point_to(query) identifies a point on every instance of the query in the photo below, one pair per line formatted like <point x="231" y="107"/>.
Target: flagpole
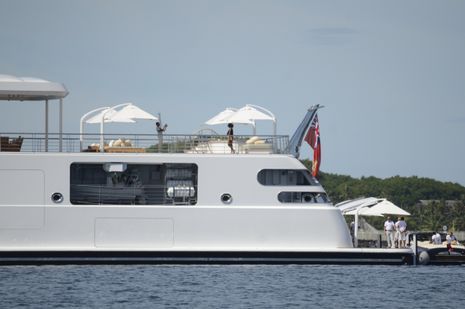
<point x="297" y="138"/>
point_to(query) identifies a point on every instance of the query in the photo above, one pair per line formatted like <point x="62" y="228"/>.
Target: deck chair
<point x="13" y="145"/>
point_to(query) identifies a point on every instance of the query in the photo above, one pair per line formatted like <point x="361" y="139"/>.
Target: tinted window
<point x="285" y="178"/>
<point x="302" y="197"/>
<point x="133" y="184"/>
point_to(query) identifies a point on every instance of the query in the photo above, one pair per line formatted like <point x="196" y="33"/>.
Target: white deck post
<point x="46" y="125"/>
<point x="102" y="146"/>
<point x="275" y="142"/>
<point x="61" y="124"/>
<point x="81" y="124"/>
<point x="102" y="121"/>
<point x="356" y="229"/>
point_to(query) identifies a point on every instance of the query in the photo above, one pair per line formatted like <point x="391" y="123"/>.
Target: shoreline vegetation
<point x="432" y="203"/>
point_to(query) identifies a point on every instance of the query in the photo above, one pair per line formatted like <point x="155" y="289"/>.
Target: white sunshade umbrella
<point x="223" y="117"/>
<point x="378" y="207"/>
<point x="127" y="113"/>
<point x="250" y="113"/>
<point x="246" y="115"/>
<point x="385" y="208"/>
<point x="109" y="114"/>
<point x="369" y="207"/>
<point x="253" y="113"/>
<point x="130" y="112"/>
<point x="347" y="207"/>
<point x="363" y="212"/>
<point x="104" y="112"/>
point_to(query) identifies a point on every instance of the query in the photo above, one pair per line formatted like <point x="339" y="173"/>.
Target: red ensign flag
<point x="313" y="139"/>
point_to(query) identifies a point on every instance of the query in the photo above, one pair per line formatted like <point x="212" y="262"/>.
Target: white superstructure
<point x="177" y="199"/>
<point x="230" y="209"/>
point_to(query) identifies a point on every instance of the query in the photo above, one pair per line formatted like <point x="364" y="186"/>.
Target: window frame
<point x="137" y="185"/>
<point x="303" y="173"/>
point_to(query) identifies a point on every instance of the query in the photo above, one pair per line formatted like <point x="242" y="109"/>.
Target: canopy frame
<point x="14" y="88"/>
<point x="233" y="111"/>
<point x="83" y="119"/>
<point x="105" y="111"/>
<point x="358" y="205"/>
<point x="274" y="120"/>
<point x="102" y="121"/>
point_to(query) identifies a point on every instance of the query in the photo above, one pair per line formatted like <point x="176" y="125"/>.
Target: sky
<point x="391" y="74"/>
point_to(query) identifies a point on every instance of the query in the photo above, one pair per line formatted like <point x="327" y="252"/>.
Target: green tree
<point x="406" y="192"/>
<point x="457" y="216"/>
<point x="431" y="216"/>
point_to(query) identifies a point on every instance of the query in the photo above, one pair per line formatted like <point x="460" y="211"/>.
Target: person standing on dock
<point x="389" y="231"/>
<point x="401" y="231"/>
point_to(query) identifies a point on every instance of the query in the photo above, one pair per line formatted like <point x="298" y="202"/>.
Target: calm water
<point x="262" y="286"/>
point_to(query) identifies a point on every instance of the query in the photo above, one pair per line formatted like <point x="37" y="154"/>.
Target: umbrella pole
<point x="102" y="146"/>
<point x="274" y="136"/>
<point x="81" y="128"/>
<point x="81" y="124"/>
<point x="356" y="230"/>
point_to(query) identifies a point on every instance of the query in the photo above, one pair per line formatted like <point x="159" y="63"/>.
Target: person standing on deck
<point x="230" y="135"/>
<point x="389" y="231"/>
<point x="160" y="130"/>
<point x="451" y="240"/>
<point x="436" y="239"/>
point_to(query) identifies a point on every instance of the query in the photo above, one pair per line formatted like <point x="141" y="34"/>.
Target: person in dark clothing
<point x="230" y="135"/>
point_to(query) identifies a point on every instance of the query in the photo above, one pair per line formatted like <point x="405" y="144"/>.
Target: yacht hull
<point x="343" y="256"/>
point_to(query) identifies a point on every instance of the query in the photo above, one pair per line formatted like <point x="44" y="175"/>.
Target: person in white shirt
<point x="436" y="239"/>
<point x="389" y="231"/>
<point x="401" y="228"/>
<point x="451" y="240"/>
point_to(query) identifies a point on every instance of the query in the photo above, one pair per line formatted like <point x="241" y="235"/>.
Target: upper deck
<point x="143" y="143"/>
<point x="32" y="89"/>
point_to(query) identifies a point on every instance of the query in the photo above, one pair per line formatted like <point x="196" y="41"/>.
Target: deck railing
<point x="144" y="143"/>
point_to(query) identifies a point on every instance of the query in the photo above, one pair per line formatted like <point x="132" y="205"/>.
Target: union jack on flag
<point x="313" y="139"/>
<point x="313" y="133"/>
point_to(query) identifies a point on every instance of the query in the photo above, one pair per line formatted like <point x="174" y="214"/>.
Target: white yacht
<point x="64" y="199"/>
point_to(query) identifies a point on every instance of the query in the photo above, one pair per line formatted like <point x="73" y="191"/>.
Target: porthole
<point x="226" y="198"/>
<point x="57" y="197"/>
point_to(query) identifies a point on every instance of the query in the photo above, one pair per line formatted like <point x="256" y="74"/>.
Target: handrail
<point x="149" y="143"/>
